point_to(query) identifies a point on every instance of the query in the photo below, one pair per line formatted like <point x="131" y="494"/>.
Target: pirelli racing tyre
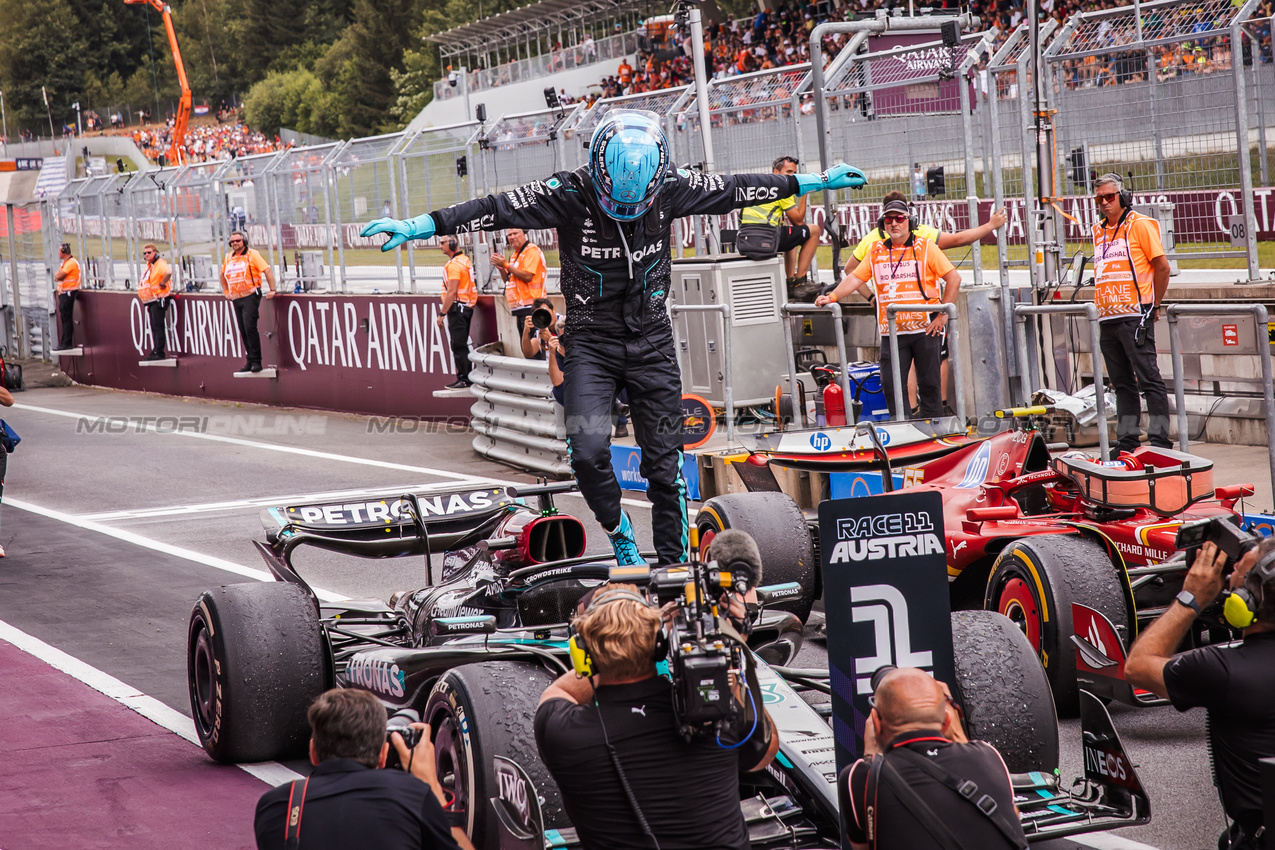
<point x="1003" y="691"/>
<point x="1034" y="582"/>
<point x="255" y="660"/>
<point x="478" y="711"/>
<point x="783" y="538"/>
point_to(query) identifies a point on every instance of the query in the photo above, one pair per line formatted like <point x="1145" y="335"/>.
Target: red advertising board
<point x="382" y="355"/>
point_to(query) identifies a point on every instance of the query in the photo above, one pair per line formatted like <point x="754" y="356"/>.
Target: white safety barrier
<point x="515" y="417"/>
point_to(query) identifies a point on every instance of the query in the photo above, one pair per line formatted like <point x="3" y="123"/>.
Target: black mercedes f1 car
<point x="474" y="647"/>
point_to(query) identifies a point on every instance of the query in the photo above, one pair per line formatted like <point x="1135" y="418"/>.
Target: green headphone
<point x="1242" y="606"/>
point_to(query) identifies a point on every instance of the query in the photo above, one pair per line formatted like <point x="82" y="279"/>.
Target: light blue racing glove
<point x="838" y="177"/>
<point x="421" y="227"/>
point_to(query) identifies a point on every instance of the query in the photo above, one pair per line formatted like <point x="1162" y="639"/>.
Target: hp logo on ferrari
<point x="820" y="441"/>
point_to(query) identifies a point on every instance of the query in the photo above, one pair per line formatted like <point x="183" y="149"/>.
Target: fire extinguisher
<point x="834" y="405"/>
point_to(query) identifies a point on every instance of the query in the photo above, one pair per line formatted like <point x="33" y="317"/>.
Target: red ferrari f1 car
<point x="1027" y="534"/>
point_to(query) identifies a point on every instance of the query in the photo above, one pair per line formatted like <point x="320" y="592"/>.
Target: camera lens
<point x="542" y="318"/>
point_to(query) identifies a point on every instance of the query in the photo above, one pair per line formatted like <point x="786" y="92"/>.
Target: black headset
<point x="1126" y="195"/>
<point x="581" y="660"/>
<point x="1243" y="605"/>
<point x="913" y="223"/>
<point x="451" y="243"/>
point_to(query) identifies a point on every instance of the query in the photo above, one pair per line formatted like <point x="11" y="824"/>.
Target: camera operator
<point x="611" y="741"/>
<point x="902" y="793"/>
<point x="534" y="338"/>
<point x="1231" y="681"/>
<point x="347" y="801"/>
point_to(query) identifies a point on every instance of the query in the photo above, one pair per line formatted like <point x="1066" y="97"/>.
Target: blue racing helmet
<point x="628" y="158"/>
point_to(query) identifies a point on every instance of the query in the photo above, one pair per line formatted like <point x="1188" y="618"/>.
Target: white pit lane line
<point x="126" y="695"/>
<point x="157" y="546"/>
<point x="313" y="453"/>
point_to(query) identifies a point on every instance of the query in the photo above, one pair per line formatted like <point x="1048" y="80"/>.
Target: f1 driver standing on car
<point x="614" y="218"/>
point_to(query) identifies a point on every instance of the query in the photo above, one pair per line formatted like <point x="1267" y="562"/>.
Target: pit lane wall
<point x="382" y="355"/>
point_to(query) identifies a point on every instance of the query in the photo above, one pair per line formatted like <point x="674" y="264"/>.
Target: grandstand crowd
<point x="207" y="142"/>
<point x="780" y="37"/>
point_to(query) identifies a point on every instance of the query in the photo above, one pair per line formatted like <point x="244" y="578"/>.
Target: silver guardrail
<point x="728" y="393"/>
<point x="1260" y="319"/>
<point x="514" y="414"/>
<point x="953" y="354"/>
<point x="1089" y="311"/>
<point x="795" y="309"/>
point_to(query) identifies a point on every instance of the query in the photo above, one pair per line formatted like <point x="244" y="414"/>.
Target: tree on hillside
<point x="41" y="47"/>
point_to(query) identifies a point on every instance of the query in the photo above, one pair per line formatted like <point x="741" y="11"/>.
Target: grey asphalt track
<point x="122" y="606"/>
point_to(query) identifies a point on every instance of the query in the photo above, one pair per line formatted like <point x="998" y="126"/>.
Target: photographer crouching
<point x="348" y="801"/>
<point x="611" y="738"/>
<point x="1231" y="681"/>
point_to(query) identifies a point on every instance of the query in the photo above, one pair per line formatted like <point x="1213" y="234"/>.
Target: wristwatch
<point x="1187" y="598"/>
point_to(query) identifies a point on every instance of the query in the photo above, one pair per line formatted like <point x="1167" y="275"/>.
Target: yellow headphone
<point x="1241" y="606"/>
<point x="581" y="661"/>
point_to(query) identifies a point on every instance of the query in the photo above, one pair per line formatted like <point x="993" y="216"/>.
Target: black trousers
<point x="156" y="310"/>
<point x="247" y="309"/>
<point x="923" y="350"/>
<point x="598" y="367"/>
<point x="458" y="319"/>
<point x="66" y="315"/>
<point x="1132" y="369"/>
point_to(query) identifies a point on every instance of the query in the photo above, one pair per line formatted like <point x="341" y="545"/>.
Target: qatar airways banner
<point x="1199" y="215"/>
<point x="373" y="354"/>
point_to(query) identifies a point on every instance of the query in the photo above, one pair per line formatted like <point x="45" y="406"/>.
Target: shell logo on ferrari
<point x="382" y="677"/>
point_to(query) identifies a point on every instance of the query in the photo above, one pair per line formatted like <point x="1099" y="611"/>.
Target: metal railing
<point x="953" y="353"/>
<point x="791" y="309"/>
<point x="1258" y="312"/>
<point x="1089" y="311"/>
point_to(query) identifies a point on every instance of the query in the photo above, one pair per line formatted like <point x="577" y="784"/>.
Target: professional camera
<point x="1234" y="542"/>
<point x="542" y="318"/>
<point x="401" y="722"/>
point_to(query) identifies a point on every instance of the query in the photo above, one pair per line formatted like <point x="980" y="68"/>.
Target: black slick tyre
<point x="255" y="660"/>
<point x="783" y="538"/>
<point x="1034" y="582"/>
<point x="1004" y="691"/>
<point x="478" y="711"/>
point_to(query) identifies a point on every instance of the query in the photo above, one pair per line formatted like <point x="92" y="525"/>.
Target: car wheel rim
<point x="203" y="681"/>
<point x="706" y="536"/>
<point x="449" y="762"/>
<point x="1017" y="603"/>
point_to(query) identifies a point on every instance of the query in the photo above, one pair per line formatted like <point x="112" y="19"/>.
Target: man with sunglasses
<point x="245" y="274"/>
<point x="1132" y="275"/>
<point x="906" y="269"/>
<point x="68" y="281"/>
<point x="897" y="796"/>
<point x="154" y="290"/>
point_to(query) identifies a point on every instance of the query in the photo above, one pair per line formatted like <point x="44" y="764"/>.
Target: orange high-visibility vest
<point x="244" y="274"/>
<point x="520" y="294"/>
<point x="152" y="286"/>
<point x="71" y="270"/>
<point x="460" y="267"/>
<point x="908" y="274"/>
<point x="1122" y="265"/>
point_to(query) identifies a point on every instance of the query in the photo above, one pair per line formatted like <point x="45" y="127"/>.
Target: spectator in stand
<point x="626" y="73"/>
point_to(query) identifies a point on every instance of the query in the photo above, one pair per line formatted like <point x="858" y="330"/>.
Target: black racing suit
<point x="615" y="278"/>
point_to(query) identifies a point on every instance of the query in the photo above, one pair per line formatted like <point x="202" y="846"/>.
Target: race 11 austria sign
<point x="886" y="598"/>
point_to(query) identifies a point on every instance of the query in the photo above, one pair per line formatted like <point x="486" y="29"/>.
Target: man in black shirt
<point x="1233" y="682"/>
<point x="912" y="731"/>
<point x="688" y="793"/>
<point x="348" y="801"/>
